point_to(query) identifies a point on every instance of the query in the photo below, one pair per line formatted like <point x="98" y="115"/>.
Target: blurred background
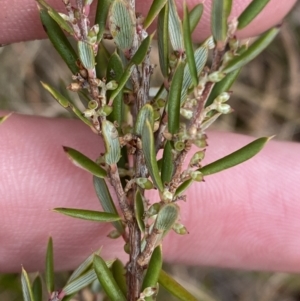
<point x="266" y="101"/>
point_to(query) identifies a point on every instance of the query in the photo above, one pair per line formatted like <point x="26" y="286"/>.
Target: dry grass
<point x="266" y="101"/>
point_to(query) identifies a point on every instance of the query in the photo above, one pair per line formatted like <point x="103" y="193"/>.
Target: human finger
<point x="245" y="217"/>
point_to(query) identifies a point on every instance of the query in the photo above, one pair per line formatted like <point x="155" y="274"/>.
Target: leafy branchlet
<point x="114" y="88"/>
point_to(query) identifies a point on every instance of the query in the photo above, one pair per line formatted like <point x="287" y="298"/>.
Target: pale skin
<point x="246" y="217"/>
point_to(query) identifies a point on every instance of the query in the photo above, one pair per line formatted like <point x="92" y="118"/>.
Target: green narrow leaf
<point x="84" y="162"/>
<point x="153" y="270"/>
<point x="167" y="168"/>
<point x="59" y="40"/>
<point x="122" y="24"/>
<point x="3" y="118"/>
<point x="90" y="215"/>
<point x="222" y="86"/>
<point x="166" y="218"/>
<point x="251" y="11"/>
<point x="68" y="297"/>
<point x="26" y="287"/>
<point x="83" y="267"/>
<point x="106" y="201"/>
<point x="188" y="44"/>
<point x="111" y="141"/>
<point x="195" y="16"/>
<point x="63" y="101"/>
<point x="107" y="280"/>
<point x="102" y="58"/>
<point x="174" y="99"/>
<point x="220" y="13"/>
<point x="142" y="51"/>
<point x="118" y="270"/>
<point x="150" y="157"/>
<point x="37" y="289"/>
<point x="163" y="39"/>
<point x="79" y="283"/>
<point x="254" y="50"/>
<point x="122" y="82"/>
<point x="146" y="113"/>
<point x="49" y="274"/>
<point x="200" y="55"/>
<point x="154" y="10"/>
<point x="101" y="16"/>
<point x="139" y="210"/>
<point x="114" y="72"/>
<point x="243" y="154"/>
<point x="172" y="286"/>
<point x="175" y="28"/>
<point x="86" y="54"/>
<point x="63" y="24"/>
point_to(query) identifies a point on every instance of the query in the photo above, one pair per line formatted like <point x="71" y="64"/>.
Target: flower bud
<point x="180" y="229"/>
<point x="144" y="183"/>
<point x="153" y="210"/>
<point x="161" y="103"/>
<point x="188" y="114"/>
<point x="223" y="108"/>
<point x="197" y="176"/>
<point x="156" y="115"/>
<point x="112" y="85"/>
<point x="216" y="76"/>
<point x="105" y="110"/>
<point x="92" y="105"/>
<point x="223" y="97"/>
<point x="179" y="146"/>
<point x="197" y="158"/>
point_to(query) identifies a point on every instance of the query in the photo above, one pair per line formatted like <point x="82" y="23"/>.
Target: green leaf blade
<point x="154" y="10"/>
<point x="153" y="270"/>
<point x="114" y="72"/>
<point x="167" y="168"/>
<point x="175" y="28"/>
<point x="84" y="162"/>
<point x="243" y="154"/>
<point x="50" y="267"/>
<point x="195" y="16"/>
<point x="166" y="218"/>
<point x="37" y="289"/>
<point x="188" y="44"/>
<point x="122" y="24"/>
<point x="59" y="40"/>
<point x="220" y="13"/>
<point x="251" y="12"/>
<point x="142" y="51"/>
<point x="90" y="215"/>
<point x="112" y="143"/>
<point x="150" y="155"/>
<point x="118" y="270"/>
<point x="86" y="55"/>
<point x="163" y="40"/>
<point x="172" y="286"/>
<point x="146" y="113"/>
<point x="26" y="287"/>
<point x="107" y="280"/>
<point x="101" y="16"/>
<point x="139" y="210"/>
<point x="79" y="283"/>
<point x="174" y="99"/>
<point x="106" y="201"/>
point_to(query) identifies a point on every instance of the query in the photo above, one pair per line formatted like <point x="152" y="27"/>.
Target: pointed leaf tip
<point x="84" y="162"/>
